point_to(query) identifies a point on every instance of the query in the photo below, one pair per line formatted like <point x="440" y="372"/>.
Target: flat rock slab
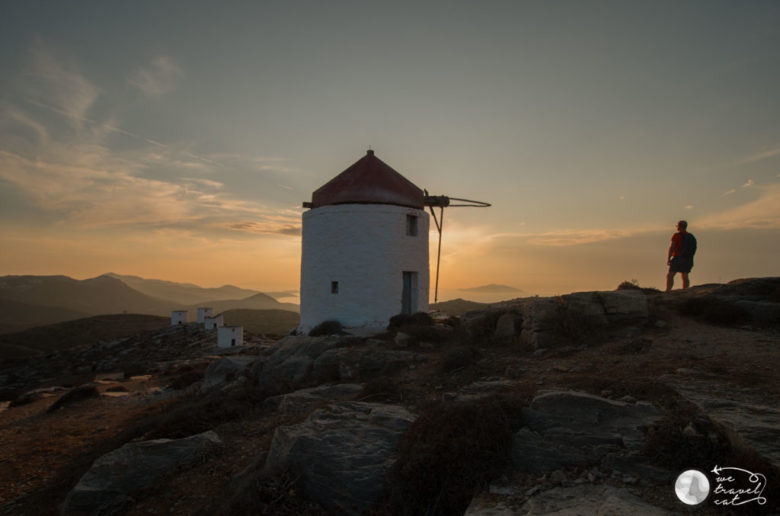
<point x="742" y="410"/>
<point x="111" y="483"/>
<point x="563" y="428"/>
<point x="303" y="399"/>
<point x="341" y="453"/>
<point x="570" y="501"/>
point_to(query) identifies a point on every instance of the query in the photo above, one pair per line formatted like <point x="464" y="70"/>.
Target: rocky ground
<point x="581" y="404"/>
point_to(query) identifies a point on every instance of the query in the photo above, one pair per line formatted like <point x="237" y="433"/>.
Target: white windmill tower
<point x="364" y="251"/>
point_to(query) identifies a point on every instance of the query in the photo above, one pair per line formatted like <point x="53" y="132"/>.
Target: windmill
<point x="441" y="202"/>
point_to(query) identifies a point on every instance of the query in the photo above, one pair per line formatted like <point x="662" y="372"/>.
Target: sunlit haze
<point x="177" y="140"/>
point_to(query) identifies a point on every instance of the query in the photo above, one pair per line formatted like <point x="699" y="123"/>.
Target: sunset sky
<point x="177" y="140"/>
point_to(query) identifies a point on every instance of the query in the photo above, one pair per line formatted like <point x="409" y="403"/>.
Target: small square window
<point x="411" y="225"/>
<point x="334" y="287"/>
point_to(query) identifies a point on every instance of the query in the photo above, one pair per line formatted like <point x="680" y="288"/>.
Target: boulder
<point x="303" y="399"/>
<point x="223" y="371"/>
<point x="573" y="428"/>
<point x="290" y="360"/>
<point x="622" y="305"/>
<point x="341" y="453"/>
<point x="114" y="479"/>
<point x="508" y="326"/>
<point x="355" y="363"/>
<point x="582" y="499"/>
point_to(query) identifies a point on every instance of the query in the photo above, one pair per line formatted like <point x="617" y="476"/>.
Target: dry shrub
<point x="78" y="394"/>
<point x="419" y="318"/>
<point x="255" y="492"/>
<point x="629" y="285"/>
<point x="458" y="357"/>
<point x="678" y="443"/>
<point x="197" y="414"/>
<point x="714" y="311"/>
<point x="185" y="379"/>
<point x="326" y="328"/>
<point x="449" y="453"/>
<point x="381" y="388"/>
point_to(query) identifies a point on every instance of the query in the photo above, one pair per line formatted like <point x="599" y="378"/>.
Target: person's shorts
<point x="680" y="264"/>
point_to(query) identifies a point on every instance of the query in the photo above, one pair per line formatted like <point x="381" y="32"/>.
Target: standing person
<point x="680" y="257"/>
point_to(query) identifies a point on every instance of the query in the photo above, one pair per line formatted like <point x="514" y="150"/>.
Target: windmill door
<point x="409" y="295"/>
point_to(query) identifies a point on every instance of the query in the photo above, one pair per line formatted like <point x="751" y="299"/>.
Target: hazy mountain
<point x="258" y="301"/>
<point x="17" y="316"/>
<point x="491" y="289"/>
<point x="182" y="293"/>
<point x="95" y="296"/>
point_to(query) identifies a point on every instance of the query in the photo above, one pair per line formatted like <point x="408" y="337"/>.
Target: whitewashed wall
<point x="203" y="312"/>
<point x="179" y="317"/>
<point x="211" y="323"/>
<point x="366" y="249"/>
<point x="226" y="334"/>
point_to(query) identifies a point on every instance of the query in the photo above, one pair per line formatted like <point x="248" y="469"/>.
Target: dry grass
<point x="450" y="452"/>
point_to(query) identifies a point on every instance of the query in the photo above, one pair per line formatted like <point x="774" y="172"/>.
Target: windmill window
<point x="411" y="225"/>
<point x="334" y="287"/>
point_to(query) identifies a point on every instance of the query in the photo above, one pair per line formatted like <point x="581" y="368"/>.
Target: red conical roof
<point x="369" y="181"/>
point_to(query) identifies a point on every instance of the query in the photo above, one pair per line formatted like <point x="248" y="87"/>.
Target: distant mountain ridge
<point x="29" y="301"/>
<point x="182" y="293"/>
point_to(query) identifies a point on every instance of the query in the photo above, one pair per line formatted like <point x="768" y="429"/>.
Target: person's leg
<point x="669" y="280"/>
<point x="685" y="279"/>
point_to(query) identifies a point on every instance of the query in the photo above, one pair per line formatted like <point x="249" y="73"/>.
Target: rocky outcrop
<point x="341" y="453"/>
<point x="582" y="499"/>
<point x="114" y="479"/>
<point x="573" y="428"/>
<point x="296" y="361"/>
<point x="303" y="399"/>
<point x="225" y="370"/>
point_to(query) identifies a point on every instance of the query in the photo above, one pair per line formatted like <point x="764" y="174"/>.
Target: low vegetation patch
<point x="326" y="328"/>
<point x="458" y="357"/>
<point x="449" y="453"/>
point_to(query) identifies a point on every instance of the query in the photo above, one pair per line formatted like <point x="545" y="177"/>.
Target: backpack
<point x="688" y="247"/>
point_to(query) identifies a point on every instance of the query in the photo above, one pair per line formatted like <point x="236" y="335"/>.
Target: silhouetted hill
<point x="457" y="307"/>
<point x="182" y="293"/>
<point x="16" y="316"/>
<point x="273" y="322"/>
<point x="68" y="335"/>
<point x="95" y="296"/>
<point x="258" y="301"/>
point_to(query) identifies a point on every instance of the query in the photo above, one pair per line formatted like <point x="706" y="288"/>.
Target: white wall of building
<point x="229" y="336"/>
<point x="213" y="322"/>
<point x="203" y="312"/>
<point x="179" y="317"/>
<point x="366" y="249"/>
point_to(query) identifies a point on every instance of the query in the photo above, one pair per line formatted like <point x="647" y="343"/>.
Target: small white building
<point x="364" y="251"/>
<point x="229" y="336"/>
<point x="214" y="322"/>
<point x="204" y="312"/>
<point x="179" y="317"/>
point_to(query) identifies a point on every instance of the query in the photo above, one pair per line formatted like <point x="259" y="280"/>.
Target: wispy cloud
<point x="728" y="192"/>
<point x="566" y="237"/>
<point x="689" y="206"/>
<point x="60" y="83"/>
<point x="760" y="213"/>
<point x="761" y="155"/>
<point x="749" y="183"/>
<point x="161" y="76"/>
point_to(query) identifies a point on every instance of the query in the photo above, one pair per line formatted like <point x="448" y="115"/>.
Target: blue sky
<point x="179" y="139"/>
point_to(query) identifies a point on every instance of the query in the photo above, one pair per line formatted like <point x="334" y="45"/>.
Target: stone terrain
<point x="589" y="403"/>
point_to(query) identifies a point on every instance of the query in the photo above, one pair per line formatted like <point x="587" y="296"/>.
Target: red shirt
<point x="676" y="247"/>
